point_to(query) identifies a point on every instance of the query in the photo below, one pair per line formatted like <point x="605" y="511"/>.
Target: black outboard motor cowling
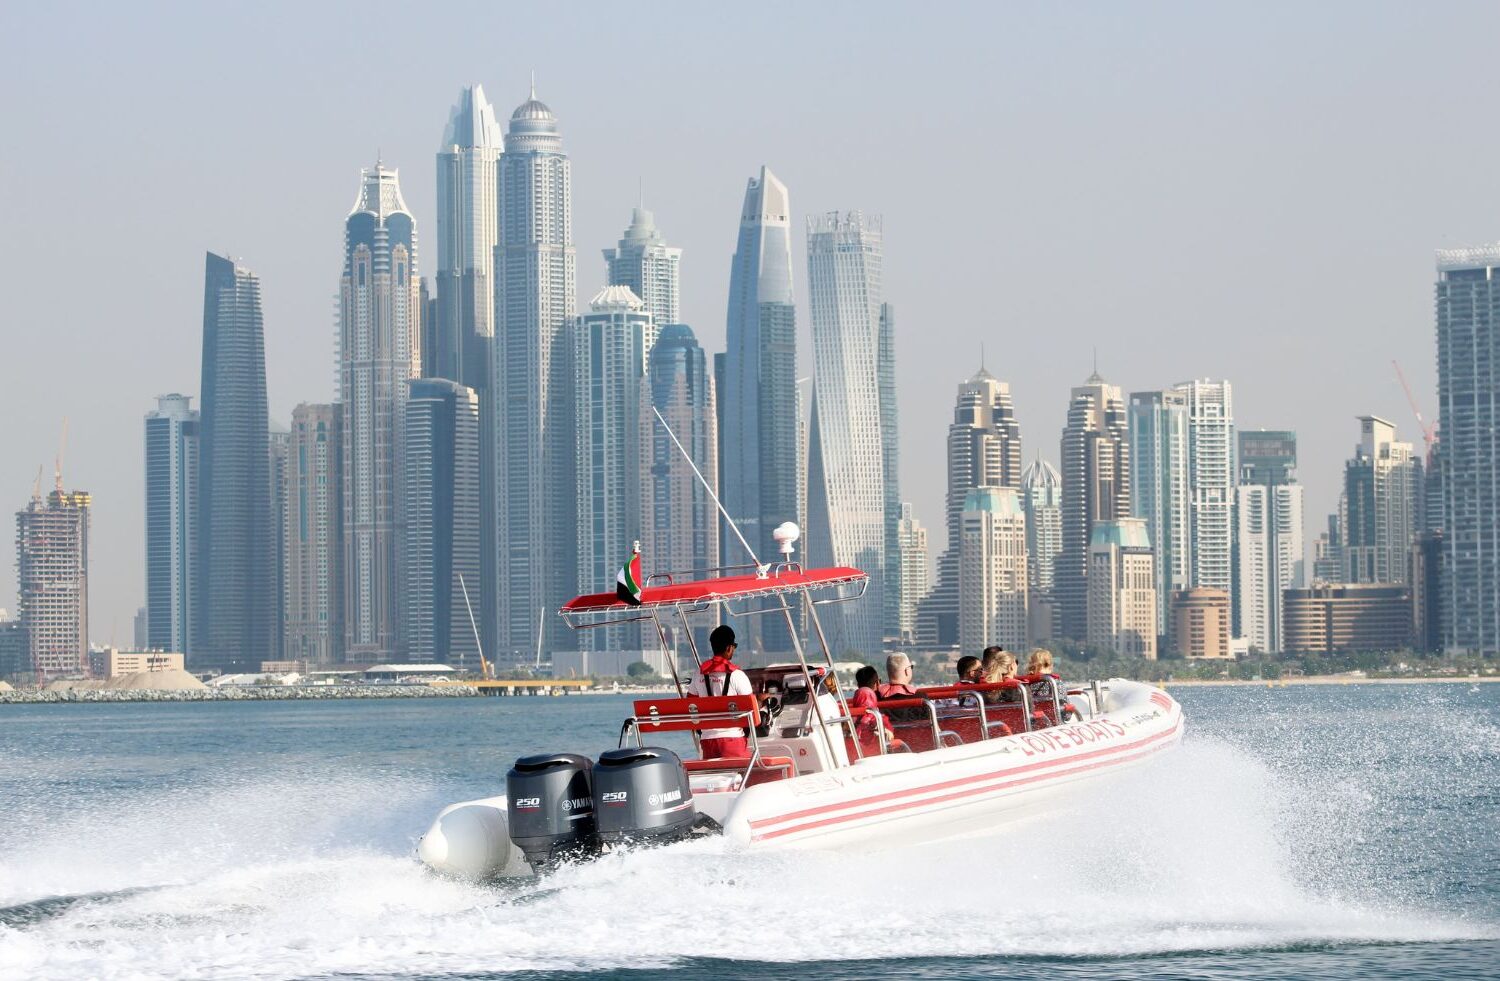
<point x="551" y="805"/>
<point x="642" y="795"/>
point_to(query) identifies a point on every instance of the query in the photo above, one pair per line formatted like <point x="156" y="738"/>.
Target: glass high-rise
<point x="1041" y="499"/>
<point x="535" y="297"/>
<point x="611" y="345"/>
<point x="679" y="523"/>
<point x="644" y="262"/>
<point x="379" y="352"/>
<point x="468" y="221"/>
<point x="1468" y="356"/>
<point x="460" y="319"/>
<point x="171" y="502"/>
<point x="233" y="570"/>
<point x="441" y="550"/>
<point x="1161" y="489"/>
<point x="847" y="482"/>
<point x="758" y="404"/>
<point x="1096" y="488"/>
<point x="1382" y="494"/>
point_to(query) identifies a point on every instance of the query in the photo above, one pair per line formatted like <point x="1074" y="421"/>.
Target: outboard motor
<point x="551" y="803"/>
<point x="643" y="796"/>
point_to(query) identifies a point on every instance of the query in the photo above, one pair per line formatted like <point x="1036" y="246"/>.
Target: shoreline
<point x="1327" y="679"/>
<point x="247" y="693"/>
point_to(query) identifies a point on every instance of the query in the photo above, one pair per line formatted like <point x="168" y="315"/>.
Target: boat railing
<point x="706" y="572"/>
<point x="978" y="695"/>
<point x="927" y="707"/>
<point x="695" y="714"/>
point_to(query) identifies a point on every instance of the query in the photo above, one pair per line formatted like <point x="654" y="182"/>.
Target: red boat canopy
<point x="702" y="592"/>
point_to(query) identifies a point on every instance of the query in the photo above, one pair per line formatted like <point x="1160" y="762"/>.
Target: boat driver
<point x="719" y="676"/>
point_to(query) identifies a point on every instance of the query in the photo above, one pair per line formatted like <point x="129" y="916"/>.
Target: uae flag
<point x="628" y="582"/>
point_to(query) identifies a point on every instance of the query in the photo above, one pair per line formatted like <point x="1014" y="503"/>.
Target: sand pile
<point x="174" y="680"/>
<point x="139" y="681"/>
<point x="5" y="686"/>
<point x="73" y="685"/>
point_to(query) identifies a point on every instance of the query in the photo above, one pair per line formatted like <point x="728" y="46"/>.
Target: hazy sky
<point x="1199" y="190"/>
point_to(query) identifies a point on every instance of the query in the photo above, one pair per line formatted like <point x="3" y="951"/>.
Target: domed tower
<point x="532" y="404"/>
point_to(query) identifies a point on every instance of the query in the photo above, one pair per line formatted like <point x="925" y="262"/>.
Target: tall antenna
<point x="760" y="570"/>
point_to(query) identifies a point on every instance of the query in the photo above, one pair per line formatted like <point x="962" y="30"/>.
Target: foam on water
<point x="265" y="878"/>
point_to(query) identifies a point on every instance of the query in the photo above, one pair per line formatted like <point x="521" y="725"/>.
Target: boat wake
<point x="1208" y="850"/>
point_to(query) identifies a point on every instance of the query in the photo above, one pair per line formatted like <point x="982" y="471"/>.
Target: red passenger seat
<point x="767" y="768"/>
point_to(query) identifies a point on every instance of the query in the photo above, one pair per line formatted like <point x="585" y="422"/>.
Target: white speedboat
<point x="965" y="760"/>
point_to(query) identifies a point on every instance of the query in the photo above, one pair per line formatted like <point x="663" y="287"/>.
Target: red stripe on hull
<point x="1007" y="779"/>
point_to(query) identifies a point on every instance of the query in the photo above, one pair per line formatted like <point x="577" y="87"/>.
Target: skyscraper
<point x="442" y="544"/>
<point x="1212" y="478"/>
<point x="462" y="315"/>
<point x="758" y="397"/>
<point x="536" y="507"/>
<point x="379" y="352"/>
<point x="1382" y="491"/>
<point x="644" y="262"/>
<point x="846" y="491"/>
<point x="171" y="503"/>
<point x="52" y="572"/>
<point x="1122" y="588"/>
<point x="233" y="572"/>
<point x="1268" y="537"/>
<point x="916" y="576"/>
<point x="314" y="536"/>
<point x="468" y="221"/>
<point x="890" y="453"/>
<point x="1096" y="487"/>
<point x="1469" y="420"/>
<point x="1041" y="499"/>
<point x="611" y="344"/>
<point x="984" y="450"/>
<point x="279" y="440"/>
<point x="679" y="523"/>
<point x="1161" y="489"/>
<point x="992" y="577"/>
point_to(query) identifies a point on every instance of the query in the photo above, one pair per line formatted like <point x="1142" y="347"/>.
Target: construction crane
<point x="1429" y="430"/>
<point x="62" y="448"/>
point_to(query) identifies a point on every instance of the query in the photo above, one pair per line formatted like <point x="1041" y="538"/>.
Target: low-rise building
<point x="1331" y="617"/>
<point x="1200" y="624"/>
<point x="107" y="662"/>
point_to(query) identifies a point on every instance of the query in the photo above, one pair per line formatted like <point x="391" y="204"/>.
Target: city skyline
<point x="297" y="324"/>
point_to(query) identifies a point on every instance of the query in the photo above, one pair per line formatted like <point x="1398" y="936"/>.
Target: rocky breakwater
<point x="237" y="693"/>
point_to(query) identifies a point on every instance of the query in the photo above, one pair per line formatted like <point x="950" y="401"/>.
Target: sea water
<point x="1312" y="832"/>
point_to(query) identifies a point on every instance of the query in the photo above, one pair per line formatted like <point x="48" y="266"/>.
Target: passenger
<point x="1040" y="662"/>
<point x="1039" y="666"/>
<point x="866" y="697"/>
<point x="719" y="676"/>
<point x="970" y="670"/>
<point x="999" y="665"/>
<point x="898" y="670"/>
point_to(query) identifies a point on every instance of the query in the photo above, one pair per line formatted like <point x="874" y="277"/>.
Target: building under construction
<point x="52" y="560"/>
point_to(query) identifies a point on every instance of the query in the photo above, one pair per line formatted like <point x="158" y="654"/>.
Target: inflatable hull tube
<point x="471" y="840"/>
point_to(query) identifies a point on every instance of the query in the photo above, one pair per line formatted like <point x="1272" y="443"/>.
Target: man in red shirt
<point x="719" y="676"/>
